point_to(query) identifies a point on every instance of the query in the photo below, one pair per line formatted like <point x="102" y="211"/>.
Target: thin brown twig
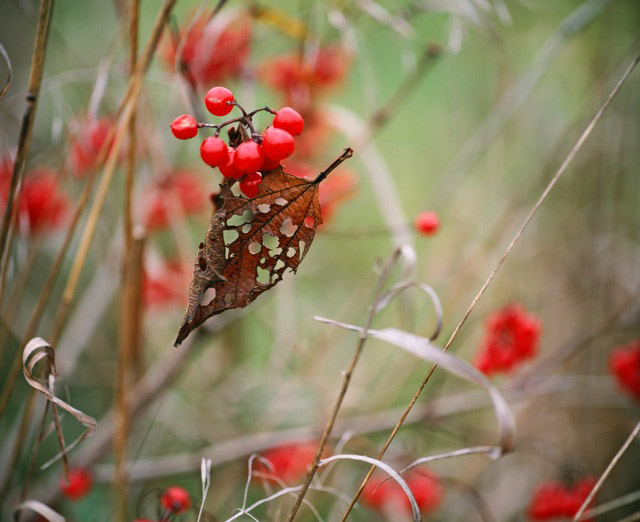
<point x="346" y="379"/>
<point x="572" y="153"/>
<point x="607" y="472"/>
<point x="26" y="129"/>
<point x="127" y="334"/>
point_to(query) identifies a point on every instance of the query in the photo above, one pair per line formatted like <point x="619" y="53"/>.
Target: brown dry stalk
<point x="572" y="153"/>
<point x="128" y="336"/>
<point x="26" y="129"/>
<point x="346" y="379"/>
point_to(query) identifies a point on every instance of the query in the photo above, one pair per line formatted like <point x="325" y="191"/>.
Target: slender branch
<point x="346" y="377"/>
<point x="606" y="472"/>
<point x="572" y="153"/>
<point x="26" y="130"/>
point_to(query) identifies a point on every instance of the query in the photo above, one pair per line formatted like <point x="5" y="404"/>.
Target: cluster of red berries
<point x="388" y="497"/>
<point x="245" y="162"/>
<point x="552" y="500"/>
<point x="511" y="337"/>
<point x="625" y="366"/>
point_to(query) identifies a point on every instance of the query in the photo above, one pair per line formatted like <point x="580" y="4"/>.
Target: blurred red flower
<point x="174" y="196"/>
<point x="625" y="366"/>
<point x="166" y="285"/>
<point x="79" y="484"/>
<point x="87" y="142"/>
<point x="552" y="500"/>
<point x="511" y="336"/>
<point x="380" y="495"/>
<point x="290" y="462"/>
<point x="213" y="53"/>
<point x="301" y="79"/>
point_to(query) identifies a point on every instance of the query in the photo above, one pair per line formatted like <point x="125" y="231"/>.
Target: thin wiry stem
<point x="346" y="379"/>
<point x="26" y="130"/>
<point x="572" y="153"/>
<point x="606" y="472"/>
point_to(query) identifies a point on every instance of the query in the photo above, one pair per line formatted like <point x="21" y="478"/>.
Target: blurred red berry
<point x="184" y="127"/>
<point x="42" y="204"/>
<point x="427" y="223"/>
<point x="163" y="284"/>
<point x="212" y="52"/>
<point x="277" y="144"/>
<point x="289" y="462"/>
<point x="289" y="120"/>
<point x="511" y="336"/>
<point x="176" y="500"/>
<point x="424" y="485"/>
<point x="214" y="151"/>
<point x="625" y="366"/>
<point x="228" y="168"/>
<point x="79" y="484"/>
<point x="250" y="184"/>
<point x="87" y="143"/>
<point x="552" y="500"/>
<point x="248" y="157"/>
<point x="176" y="195"/>
<point x="219" y="101"/>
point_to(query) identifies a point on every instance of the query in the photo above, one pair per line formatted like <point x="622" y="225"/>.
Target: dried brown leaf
<point x="252" y="242"/>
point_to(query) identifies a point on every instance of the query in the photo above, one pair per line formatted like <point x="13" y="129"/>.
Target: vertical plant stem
<point x="572" y="153"/>
<point x="346" y="379"/>
<point x="26" y="129"/>
<point x="120" y="441"/>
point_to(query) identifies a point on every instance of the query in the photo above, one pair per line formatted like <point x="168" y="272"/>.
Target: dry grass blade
<point x="606" y="472"/>
<point x="7" y="84"/>
<point x="38" y="350"/>
<point x="40" y="508"/>
<point x="424" y="349"/>
<point x="205" y="477"/>
<point x="33" y="91"/>
<point x="415" y="511"/>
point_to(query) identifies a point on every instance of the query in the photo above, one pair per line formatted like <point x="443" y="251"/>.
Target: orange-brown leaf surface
<point x="252" y="242"/>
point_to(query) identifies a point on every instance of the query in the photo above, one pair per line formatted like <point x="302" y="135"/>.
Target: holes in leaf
<point x="254" y="247"/>
<point x="235" y="190"/>
<point x="208" y="297"/>
<point x="291" y="252"/>
<point x="281" y="201"/>
<point x="246" y="228"/>
<point x="240" y="219"/>
<point x="270" y="241"/>
<point x="264" y="208"/>
<point x="287" y="228"/>
<point x="275" y="252"/>
<point x="230" y="236"/>
<point x="279" y="265"/>
<point x="301" y="246"/>
<point x="309" y="221"/>
<point x="263" y="276"/>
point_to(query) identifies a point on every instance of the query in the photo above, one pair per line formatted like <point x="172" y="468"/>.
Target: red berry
<point x="184" y="127"/>
<point x="277" y="144"/>
<point x="175" y="500"/>
<point x="219" y="101"/>
<point x="427" y="223"/>
<point x="213" y="151"/>
<point x="79" y="484"/>
<point x="248" y="157"/>
<point x="228" y="168"/>
<point x="250" y="184"/>
<point x="269" y="164"/>
<point x="289" y="120"/>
